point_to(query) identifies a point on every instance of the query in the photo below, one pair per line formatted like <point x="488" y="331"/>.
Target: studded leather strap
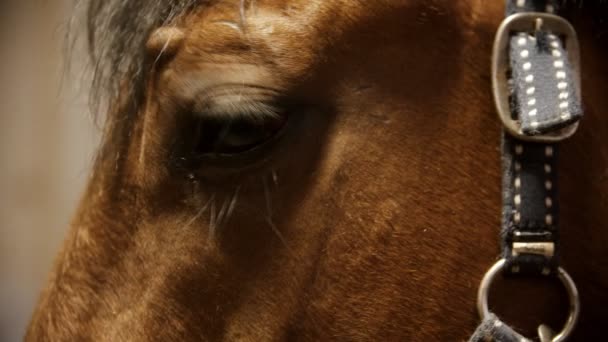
<point x="530" y="207"/>
<point x="543" y="96"/>
<point x="543" y="100"/>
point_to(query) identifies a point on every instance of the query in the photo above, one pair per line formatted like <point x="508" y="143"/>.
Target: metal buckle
<point x="528" y="22"/>
<point x="544" y="332"/>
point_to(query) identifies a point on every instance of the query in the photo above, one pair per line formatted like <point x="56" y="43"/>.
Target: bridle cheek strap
<point x="537" y="91"/>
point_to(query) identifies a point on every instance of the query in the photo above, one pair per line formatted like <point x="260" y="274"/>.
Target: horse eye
<point x="235" y="136"/>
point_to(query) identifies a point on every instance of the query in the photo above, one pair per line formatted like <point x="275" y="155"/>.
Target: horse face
<point x="344" y="104"/>
<point x="298" y="169"/>
<point x="372" y="169"/>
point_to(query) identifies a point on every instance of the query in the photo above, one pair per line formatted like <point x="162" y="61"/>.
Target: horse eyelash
<point x="269" y="214"/>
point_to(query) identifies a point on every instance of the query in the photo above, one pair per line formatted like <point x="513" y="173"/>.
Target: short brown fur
<point x="373" y="220"/>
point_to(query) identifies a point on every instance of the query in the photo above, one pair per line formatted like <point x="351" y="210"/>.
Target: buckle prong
<point x="538" y="24"/>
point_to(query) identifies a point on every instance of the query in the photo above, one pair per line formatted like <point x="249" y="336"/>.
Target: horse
<point x="311" y="170"/>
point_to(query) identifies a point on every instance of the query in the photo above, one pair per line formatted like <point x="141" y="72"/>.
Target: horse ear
<point x="165" y="41"/>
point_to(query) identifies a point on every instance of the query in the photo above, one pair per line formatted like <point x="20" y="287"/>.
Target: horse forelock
<point x="116" y="32"/>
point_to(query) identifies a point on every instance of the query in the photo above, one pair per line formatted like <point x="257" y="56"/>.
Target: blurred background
<point x="47" y="142"/>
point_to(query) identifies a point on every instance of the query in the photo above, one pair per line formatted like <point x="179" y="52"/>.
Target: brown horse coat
<point x="372" y="217"/>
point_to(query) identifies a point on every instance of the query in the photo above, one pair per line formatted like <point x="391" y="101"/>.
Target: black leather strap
<point x="543" y="100"/>
<point x="517" y="6"/>
<point x="544" y="96"/>
<point x="530" y="206"/>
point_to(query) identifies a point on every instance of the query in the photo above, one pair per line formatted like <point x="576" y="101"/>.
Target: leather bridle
<point x="536" y="83"/>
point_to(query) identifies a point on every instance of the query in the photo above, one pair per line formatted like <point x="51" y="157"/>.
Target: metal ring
<point x="564" y="277"/>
